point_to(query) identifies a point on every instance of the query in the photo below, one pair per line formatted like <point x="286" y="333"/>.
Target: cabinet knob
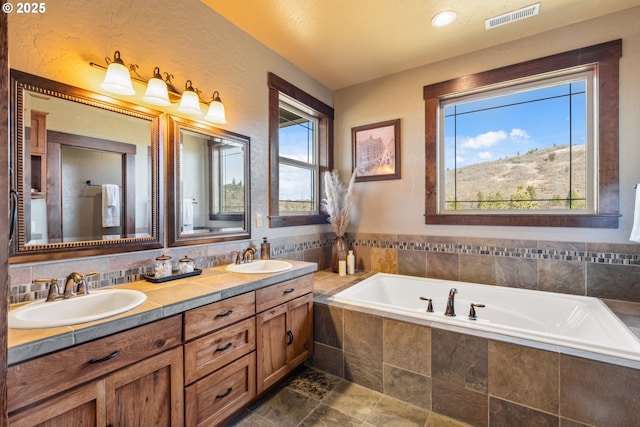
<point x="290" y="335"/>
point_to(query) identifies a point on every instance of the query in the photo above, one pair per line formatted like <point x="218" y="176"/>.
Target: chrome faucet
<point x="451" y="311"/>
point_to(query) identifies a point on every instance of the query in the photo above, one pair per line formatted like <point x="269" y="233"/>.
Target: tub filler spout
<point x="451" y="311"/>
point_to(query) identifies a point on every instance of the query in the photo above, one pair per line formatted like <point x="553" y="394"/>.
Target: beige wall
<point x="185" y="38"/>
<point x="397" y="207"/>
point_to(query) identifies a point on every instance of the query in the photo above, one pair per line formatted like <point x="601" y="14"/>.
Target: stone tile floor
<point x="314" y="398"/>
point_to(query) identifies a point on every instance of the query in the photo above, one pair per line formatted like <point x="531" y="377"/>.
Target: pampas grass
<point x="339" y="201"/>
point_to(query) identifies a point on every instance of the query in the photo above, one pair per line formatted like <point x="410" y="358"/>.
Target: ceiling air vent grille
<point x="516" y="15"/>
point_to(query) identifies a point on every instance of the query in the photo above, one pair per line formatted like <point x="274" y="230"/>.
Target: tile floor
<point x="314" y="398"/>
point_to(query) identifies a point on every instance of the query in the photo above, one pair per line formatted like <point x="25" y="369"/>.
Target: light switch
<point x="259" y="220"/>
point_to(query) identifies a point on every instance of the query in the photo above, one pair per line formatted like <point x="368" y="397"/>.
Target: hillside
<point x="546" y="170"/>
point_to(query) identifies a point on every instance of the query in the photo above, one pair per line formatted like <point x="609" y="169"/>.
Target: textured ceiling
<point x="345" y="42"/>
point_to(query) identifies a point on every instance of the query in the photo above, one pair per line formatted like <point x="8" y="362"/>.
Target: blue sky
<point x="295" y="143"/>
<point x="487" y="130"/>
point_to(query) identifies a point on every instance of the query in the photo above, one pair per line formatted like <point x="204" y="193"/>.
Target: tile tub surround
<point x="602" y="270"/>
<point x="477" y="379"/>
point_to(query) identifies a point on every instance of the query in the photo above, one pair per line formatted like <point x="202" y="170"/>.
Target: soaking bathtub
<point x="583" y="323"/>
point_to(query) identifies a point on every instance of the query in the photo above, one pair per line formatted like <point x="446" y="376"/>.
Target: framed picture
<point x="376" y="151"/>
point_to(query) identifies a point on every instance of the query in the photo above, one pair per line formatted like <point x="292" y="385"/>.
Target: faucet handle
<point x="53" y="292"/>
<point x="429" y="306"/>
<point x="82" y="287"/>
<point x="472" y="311"/>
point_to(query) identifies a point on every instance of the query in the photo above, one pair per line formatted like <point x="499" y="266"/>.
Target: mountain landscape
<point x="538" y="174"/>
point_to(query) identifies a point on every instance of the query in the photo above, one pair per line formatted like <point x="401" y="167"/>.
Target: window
<point x="535" y="143"/>
<point x="301" y="141"/>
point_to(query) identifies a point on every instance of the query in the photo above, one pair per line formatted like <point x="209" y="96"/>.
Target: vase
<point x="338" y="252"/>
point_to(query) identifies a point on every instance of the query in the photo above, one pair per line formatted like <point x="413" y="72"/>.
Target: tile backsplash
<point x="602" y="270"/>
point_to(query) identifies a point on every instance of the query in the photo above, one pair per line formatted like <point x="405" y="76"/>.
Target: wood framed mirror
<point x="85" y="170"/>
<point x="208" y="181"/>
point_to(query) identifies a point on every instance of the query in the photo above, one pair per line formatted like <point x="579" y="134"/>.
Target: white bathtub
<point x="583" y="323"/>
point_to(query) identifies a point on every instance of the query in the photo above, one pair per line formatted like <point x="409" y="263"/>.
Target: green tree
<point x="574" y="201"/>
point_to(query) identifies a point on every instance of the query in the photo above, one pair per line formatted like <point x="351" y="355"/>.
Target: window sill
<point x="587" y="221"/>
<point x="296" y="220"/>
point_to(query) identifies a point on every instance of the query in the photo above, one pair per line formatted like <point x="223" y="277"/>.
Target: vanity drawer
<point x="214" y="316"/>
<point x="213" y="351"/>
<point x="48" y="375"/>
<point x="272" y="296"/>
<point x="214" y="398"/>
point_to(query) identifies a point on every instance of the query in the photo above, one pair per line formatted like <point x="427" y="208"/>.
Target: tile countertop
<point x="163" y="300"/>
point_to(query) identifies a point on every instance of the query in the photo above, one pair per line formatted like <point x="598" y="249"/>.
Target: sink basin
<point x="262" y="266"/>
<point x="84" y="308"/>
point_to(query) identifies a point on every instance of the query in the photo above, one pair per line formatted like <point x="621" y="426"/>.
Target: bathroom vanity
<point x="198" y="364"/>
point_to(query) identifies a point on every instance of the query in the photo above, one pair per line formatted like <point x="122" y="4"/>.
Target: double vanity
<point x="195" y="352"/>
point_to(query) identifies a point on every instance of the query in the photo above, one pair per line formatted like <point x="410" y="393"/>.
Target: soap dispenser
<point x="265" y="249"/>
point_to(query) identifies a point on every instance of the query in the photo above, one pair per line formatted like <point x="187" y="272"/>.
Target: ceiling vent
<point x="516" y="15"/>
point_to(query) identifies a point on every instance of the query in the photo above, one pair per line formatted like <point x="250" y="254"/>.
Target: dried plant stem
<point x="339" y="201"/>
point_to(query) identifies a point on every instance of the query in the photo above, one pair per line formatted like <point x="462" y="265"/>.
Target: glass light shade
<point x="157" y="92"/>
<point x="190" y="104"/>
<point x="216" y="113"/>
<point x="444" y="18"/>
<point x="118" y="80"/>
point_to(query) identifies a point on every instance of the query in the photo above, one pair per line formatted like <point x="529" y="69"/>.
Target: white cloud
<point x="485" y="140"/>
<point x="485" y="155"/>
<point x="459" y="159"/>
<point x="518" y="134"/>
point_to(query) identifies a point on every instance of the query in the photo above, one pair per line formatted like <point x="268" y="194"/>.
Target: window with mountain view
<point x="529" y="144"/>
<point x="520" y="147"/>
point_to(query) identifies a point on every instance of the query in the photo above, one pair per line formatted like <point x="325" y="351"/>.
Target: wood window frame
<point x="606" y="57"/>
<point x="324" y="114"/>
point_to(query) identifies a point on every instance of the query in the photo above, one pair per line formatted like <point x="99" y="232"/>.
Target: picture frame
<point x="376" y="151"/>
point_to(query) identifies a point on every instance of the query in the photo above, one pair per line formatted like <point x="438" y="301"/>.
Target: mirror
<point x="209" y="181"/>
<point x="86" y="172"/>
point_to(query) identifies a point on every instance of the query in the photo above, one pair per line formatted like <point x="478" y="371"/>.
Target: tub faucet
<point x="451" y="311"/>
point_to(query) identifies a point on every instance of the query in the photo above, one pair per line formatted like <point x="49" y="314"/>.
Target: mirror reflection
<point x="85" y="169"/>
<point x="210" y="175"/>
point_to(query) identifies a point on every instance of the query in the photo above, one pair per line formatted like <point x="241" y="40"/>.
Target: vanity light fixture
<point x="157" y="93"/>
<point x="216" y="110"/>
<point x="189" y="103"/>
<point x="117" y="79"/>
<point x="444" y="18"/>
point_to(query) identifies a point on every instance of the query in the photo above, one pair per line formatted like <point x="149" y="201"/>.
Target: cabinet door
<point x="271" y="336"/>
<point x="148" y="393"/>
<point x="84" y="406"/>
<point x="284" y="337"/>
<point x="299" y="330"/>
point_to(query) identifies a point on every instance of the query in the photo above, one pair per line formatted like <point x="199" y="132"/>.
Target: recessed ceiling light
<point x="443" y="18"/>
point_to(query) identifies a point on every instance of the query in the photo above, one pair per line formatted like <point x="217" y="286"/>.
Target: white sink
<point x="79" y="309"/>
<point x="262" y="266"/>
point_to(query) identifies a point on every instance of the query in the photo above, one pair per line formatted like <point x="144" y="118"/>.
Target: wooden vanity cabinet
<point x="284" y="330"/>
<point x="220" y="363"/>
<point x="119" y="380"/>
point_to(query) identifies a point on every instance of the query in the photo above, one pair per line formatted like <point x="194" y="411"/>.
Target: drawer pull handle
<point x="288" y="291"/>
<point x="226" y="347"/>
<point x="225" y="394"/>
<point x="104" y="359"/>
<point x="224" y="314"/>
<point x="290" y="335"/>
